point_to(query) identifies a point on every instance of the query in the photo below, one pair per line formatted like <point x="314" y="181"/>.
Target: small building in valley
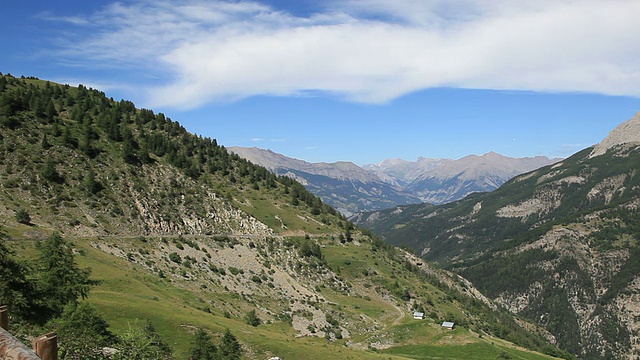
<point x="447" y="325"/>
<point x="418" y="315"/>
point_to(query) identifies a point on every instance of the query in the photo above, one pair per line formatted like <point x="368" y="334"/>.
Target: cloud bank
<point x="369" y="51"/>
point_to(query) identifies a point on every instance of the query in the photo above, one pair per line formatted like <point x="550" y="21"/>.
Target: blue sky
<point x="355" y="80"/>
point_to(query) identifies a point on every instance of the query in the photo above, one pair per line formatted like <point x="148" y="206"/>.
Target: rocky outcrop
<point x="626" y="133"/>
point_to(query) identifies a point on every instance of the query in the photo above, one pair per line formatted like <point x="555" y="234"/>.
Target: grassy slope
<point x="128" y="294"/>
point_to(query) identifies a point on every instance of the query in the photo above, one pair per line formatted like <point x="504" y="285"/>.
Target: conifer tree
<point x="16" y="290"/>
<point x="90" y="184"/>
<point x="61" y="281"/>
<point x="49" y="172"/>
<point x="203" y="348"/>
<point x="230" y="347"/>
<point x="82" y="332"/>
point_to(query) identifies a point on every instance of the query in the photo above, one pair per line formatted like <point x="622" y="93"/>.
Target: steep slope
<point x="558" y="245"/>
<point x="343" y="185"/>
<point x="181" y="232"/>
<point x="90" y="166"/>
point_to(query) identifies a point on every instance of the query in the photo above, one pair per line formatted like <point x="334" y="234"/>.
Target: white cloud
<point x="48" y="16"/>
<point x="257" y="139"/>
<point x="370" y="51"/>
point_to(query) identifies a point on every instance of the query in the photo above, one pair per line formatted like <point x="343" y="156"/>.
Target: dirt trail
<point x="400" y="316"/>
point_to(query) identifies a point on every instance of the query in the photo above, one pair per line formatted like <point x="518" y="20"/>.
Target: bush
<point x="142" y="343"/>
<point x="82" y="332"/>
<point x="175" y="258"/>
<point x="252" y="318"/>
<point x="23" y="217"/>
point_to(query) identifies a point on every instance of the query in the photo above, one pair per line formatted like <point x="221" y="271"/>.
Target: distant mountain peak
<point x="626" y="133"/>
<point x="350" y="188"/>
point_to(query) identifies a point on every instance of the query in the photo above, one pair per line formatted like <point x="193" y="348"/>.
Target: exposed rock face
<point x="626" y="133"/>
<point x="274" y="162"/>
<point x="155" y="201"/>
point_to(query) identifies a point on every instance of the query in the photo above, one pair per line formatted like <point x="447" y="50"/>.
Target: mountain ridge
<point x="343" y="185"/>
<point x="352" y="189"/>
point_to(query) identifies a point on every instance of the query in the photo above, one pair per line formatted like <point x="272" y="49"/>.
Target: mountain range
<point x="183" y="237"/>
<point x="350" y="188"/>
<point x="558" y="245"/>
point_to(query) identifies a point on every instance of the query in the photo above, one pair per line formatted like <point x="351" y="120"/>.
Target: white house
<point x="447" y="325"/>
<point x="418" y="315"/>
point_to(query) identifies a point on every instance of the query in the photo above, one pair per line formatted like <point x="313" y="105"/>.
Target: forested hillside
<point x="103" y="160"/>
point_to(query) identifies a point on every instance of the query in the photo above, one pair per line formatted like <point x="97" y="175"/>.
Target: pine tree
<point x="90" y="184"/>
<point x="16" y="290"/>
<point x="83" y="333"/>
<point x="142" y="344"/>
<point x="44" y="143"/>
<point x="203" y="348"/>
<point x="50" y="112"/>
<point x="252" y="318"/>
<point x="128" y="147"/>
<point x="67" y="138"/>
<point x="49" y="172"/>
<point x="61" y="281"/>
<point x="86" y="139"/>
<point x="230" y="347"/>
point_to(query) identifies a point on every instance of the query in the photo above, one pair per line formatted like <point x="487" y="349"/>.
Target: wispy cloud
<point x="370" y="51"/>
<point x="74" y="20"/>
<point x="257" y="139"/>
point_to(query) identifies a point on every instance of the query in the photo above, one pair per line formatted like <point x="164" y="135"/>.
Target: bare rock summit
<point x="626" y="133"/>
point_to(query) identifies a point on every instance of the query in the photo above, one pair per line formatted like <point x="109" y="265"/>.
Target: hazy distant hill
<point x="559" y="245"/>
<point x="438" y="181"/>
<point x="343" y="185"/>
<point x="352" y="189"/>
<point x="404" y="172"/>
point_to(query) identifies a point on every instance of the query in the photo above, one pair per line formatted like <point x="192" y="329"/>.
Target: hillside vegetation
<point x="558" y="246"/>
<point x="187" y="244"/>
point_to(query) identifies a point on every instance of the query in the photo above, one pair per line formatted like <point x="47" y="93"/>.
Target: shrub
<point x="252" y="318"/>
<point x="175" y="258"/>
<point x="23" y="217"/>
